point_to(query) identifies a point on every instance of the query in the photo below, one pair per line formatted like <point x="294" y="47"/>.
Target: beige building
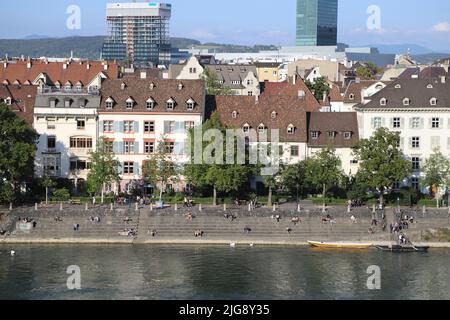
<point x="268" y="71"/>
<point x="328" y="69"/>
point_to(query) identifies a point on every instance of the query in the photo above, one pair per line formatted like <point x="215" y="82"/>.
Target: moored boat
<point x="404" y="248"/>
<point x="339" y="245"/>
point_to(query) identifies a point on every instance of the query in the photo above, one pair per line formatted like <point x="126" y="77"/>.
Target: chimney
<point x="88" y="66"/>
<point x="256" y="99"/>
<point x="5" y="64"/>
<point x="65" y="66"/>
<point x="28" y="63"/>
<point x="105" y="66"/>
<point x="294" y="79"/>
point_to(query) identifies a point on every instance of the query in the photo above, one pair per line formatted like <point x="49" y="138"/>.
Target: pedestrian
<point x="289" y="230"/>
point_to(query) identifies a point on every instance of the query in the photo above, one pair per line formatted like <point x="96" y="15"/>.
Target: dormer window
<point x="315" y="135"/>
<point x="383" y="102"/>
<point x="378" y="87"/>
<point x="8" y="101"/>
<point x="246" y="128"/>
<point x="123" y="86"/>
<point x="430" y="86"/>
<point x="398" y="86"/>
<point x="347" y="135"/>
<point x="273" y="115"/>
<point x="130" y="103"/>
<point x="234" y="114"/>
<point x="331" y="134"/>
<point x="109" y="103"/>
<point x="190" y="105"/>
<point x="262" y="128"/>
<point x="68" y="86"/>
<point x="67" y="103"/>
<point x="290" y="129"/>
<point x="52" y="103"/>
<point x="351" y="96"/>
<point x="152" y="86"/>
<point x="170" y="104"/>
<point x="406" y="102"/>
<point x="79" y="87"/>
<point x="180" y="87"/>
<point x="150" y="104"/>
<point x="58" y="85"/>
<point x="81" y="103"/>
<point x="433" y="101"/>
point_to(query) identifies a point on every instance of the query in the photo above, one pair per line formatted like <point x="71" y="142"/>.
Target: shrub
<point x="61" y="195"/>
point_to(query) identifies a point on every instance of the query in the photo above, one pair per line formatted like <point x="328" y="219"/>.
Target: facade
<point x="360" y="91"/>
<point x="67" y="125"/>
<point x="135" y="115"/>
<point x="317" y="22"/>
<point x="20" y="100"/>
<point x="337" y="130"/>
<point x="138" y="33"/>
<point x="417" y="108"/>
<point x="268" y="71"/>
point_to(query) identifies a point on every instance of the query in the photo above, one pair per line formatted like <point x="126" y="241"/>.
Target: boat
<point x="403" y="248"/>
<point x="340" y="245"/>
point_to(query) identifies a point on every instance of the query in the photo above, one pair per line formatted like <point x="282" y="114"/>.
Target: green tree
<point x="381" y="161"/>
<point x="104" y="168"/>
<point x="61" y="195"/>
<point x="368" y="72"/>
<point x="293" y="176"/>
<point x="319" y="87"/>
<point x="213" y="85"/>
<point x="47" y="182"/>
<point x="17" y="151"/>
<point x="160" y="170"/>
<point x="323" y="170"/>
<point x="436" y="170"/>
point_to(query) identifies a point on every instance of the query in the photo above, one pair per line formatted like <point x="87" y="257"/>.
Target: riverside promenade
<point x="79" y="224"/>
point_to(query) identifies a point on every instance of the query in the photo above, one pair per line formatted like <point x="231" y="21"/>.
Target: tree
<point x="323" y="170"/>
<point x="368" y="72"/>
<point x="381" y="161"/>
<point x="104" y="167"/>
<point x="17" y="151"/>
<point x="47" y="183"/>
<point x="213" y="85"/>
<point x="293" y="176"/>
<point x="436" y="170"/>
<point x="319" y="87"/>
<point x="160" y="169"/>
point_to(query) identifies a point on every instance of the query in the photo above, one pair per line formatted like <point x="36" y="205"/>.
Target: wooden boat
<point x="339" y="245"/>
<point x="405" y="248"/>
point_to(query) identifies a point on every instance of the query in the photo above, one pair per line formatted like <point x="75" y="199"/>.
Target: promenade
<point x="219" y="225"/>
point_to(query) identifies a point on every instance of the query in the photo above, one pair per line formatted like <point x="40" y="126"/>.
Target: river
<point x="218" y="272"/>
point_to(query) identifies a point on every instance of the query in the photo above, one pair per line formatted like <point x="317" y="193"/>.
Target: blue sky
<point x="425" y="23"/>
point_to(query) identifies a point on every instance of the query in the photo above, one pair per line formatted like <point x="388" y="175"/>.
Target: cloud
<point x="442" y="27"/>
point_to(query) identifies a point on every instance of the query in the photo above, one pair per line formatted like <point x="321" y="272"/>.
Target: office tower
<point x="317" y="22"/>
<point x="138" y="33"/>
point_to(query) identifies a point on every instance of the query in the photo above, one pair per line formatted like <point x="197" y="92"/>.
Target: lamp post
<point x="297" y="193"/>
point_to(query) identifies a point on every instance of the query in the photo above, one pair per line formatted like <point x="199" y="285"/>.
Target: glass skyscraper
<point x="317" y="22"/>
<point x="138" y="33"/>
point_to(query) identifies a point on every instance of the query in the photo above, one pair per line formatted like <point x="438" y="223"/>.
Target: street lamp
<point x="297" y="192"/>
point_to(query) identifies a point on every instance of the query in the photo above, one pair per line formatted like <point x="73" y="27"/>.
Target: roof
<point x="355" y="88"/>
<point x="233" y="72"/>
<point x="262" y="64"/>
<point x="409" y="73"/>
<point x="23" y="98"/>
<point x="90" y="101"/>
<point x="337" y="122"/>
<point x="140" y="90"/>
<point x="419" y="91"/>
<point x="433" y="72"/>
<point x="75" y="71"/>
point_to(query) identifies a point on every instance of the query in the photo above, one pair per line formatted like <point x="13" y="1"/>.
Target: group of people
<point x="227" y="216"/>
<point x="153" y="232"/>
<point x="94" y="219"/>
<point x="276" y="217"/>
<point x="188" y="203"/>
<point x="189" y="216"/>
<point x="127" y="220"/>
<point x="128" y="232"/>
<point x="28" y="220"/>
<point x="3" y="232"/>
<point x="199" y="233"/>
<point x="58" y="219"/>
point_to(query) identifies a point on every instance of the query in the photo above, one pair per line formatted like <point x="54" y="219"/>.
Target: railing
<point x="63" y="90"/>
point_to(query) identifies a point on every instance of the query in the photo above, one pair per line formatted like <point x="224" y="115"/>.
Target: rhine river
<point x="219" y="272"/>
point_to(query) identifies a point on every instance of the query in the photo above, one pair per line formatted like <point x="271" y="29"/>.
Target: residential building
<point x="135" y="115"/>
<point x="359" y="91"/>
<point x="20" y="100"/>
<point x="337" y="130"/>
<point x="417" y="108"/>
<point x="328" y="69"/>
<point x="317" y="22"/>
<point x="138" y="33"/>
<point x="191" y="69"/>
<point x="268" y="71"/>
<point x="67" y="127"/>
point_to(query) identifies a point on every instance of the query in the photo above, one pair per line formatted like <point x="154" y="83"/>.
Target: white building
<point x="137" y="114"/>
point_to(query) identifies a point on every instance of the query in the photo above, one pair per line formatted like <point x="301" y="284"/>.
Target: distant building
<point x="317" y="22"/>
<point x="20" y="100"/>
<point x="268" y="71"/>
<point x="138" y="33"/>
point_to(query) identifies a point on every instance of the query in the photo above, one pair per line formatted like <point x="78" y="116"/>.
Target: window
<point x="79" y="165"/>
<point x="149" y="147"/>
<point x="189" y="125"/>
<point x="8" y="101"/>
<point x="353" y="162"/>
<point x="149" y="126"/>
<point x="80" y="143"/>
<point x="130" y="104"/>
<point x="51" y="142"/>
<point x="315" y="135"/>
<point x="52" y="165"/>
<point x="109" y="104"/>
<point x="67" y="103"/>
<point x="331" y="134"/>
<point x="433" y="101"/>
<point x="351" y="96"/>
<point x="52" y="103"/>
<point x="416" y="123"/>
<point x="250" y="82"/>
<point x="262" y="128"/>
<point x="128" y="167"/>
<point x="435" y="142"/>
<point x="169" y="126"/>
<point x="109" y="146"/>
<point x="415" y="163"/>
<point x="128" y="126"/>
<point x="396" y="123"/>
<point x="51" y="124"/>
<point x="170" y="105"/>
<point x="294" y="151"/>
<point x="398" y="86"/>
<point x="234" y="114"/>
<point x="415" y="142"/>
<point x="236" y="82"/>
<point x="150" y="104"/>
<point x="190" y="105"/>
<point x="108" y="126"/>
<point x="192" y="70"/>
<point x="170" y="147"/>
<point x="383" y="102"/>
<point x="415" y="183"/>
<point x="246" y="128"/>
<point x="406" y="102"/>
<point x="290" y="129"/>
<point x="273" y="115"/>
<point x="347" y="135"/>
<point x="81" y="124"/>
<point x="435" y="123"/>
<point x="128" y="147"/>
<point x="250" y="93"/>
<point x="377" y="122"/>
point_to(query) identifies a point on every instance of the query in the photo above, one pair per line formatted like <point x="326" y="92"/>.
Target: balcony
<point x="63" y="90"/>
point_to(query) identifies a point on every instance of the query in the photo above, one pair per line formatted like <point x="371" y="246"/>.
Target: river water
<point x="219" y="272"/>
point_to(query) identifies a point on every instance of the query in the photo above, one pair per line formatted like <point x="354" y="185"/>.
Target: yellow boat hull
<point x="339" y="245"/>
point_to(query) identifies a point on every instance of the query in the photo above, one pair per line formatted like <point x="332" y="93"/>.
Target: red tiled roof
<point x="337" y="122"/>
<point x="23" y="99"/>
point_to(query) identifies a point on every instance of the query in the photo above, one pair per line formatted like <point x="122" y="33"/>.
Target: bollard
<point x="176" y="206"/>
<point x="112" y="206"/>
<point x="299" y="208"/>
<point x="324" y="208"/>
<point x="10" y="206"/>
<point x="60" y="206"/>
<point x="136" y="206"/>
<point x="249" y="208"/>
<point x="151" y="206"/>
<point x="224" y="207"/>
<point x="274" y="207"/>
<point x="35" y="207"/>
<point x="86" y="207"/>
<point x="200" y="207"/>
<point x="424" y="210"/>
<point x="374" y="209"/>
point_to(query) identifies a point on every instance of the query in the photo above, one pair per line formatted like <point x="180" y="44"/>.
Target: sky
<point x="247" y="22"/>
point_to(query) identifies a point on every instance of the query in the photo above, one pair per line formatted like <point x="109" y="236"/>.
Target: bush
<point x="61" y="195"/>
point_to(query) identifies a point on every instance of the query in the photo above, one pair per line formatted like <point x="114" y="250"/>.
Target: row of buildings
<point x="72" y="104"/>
